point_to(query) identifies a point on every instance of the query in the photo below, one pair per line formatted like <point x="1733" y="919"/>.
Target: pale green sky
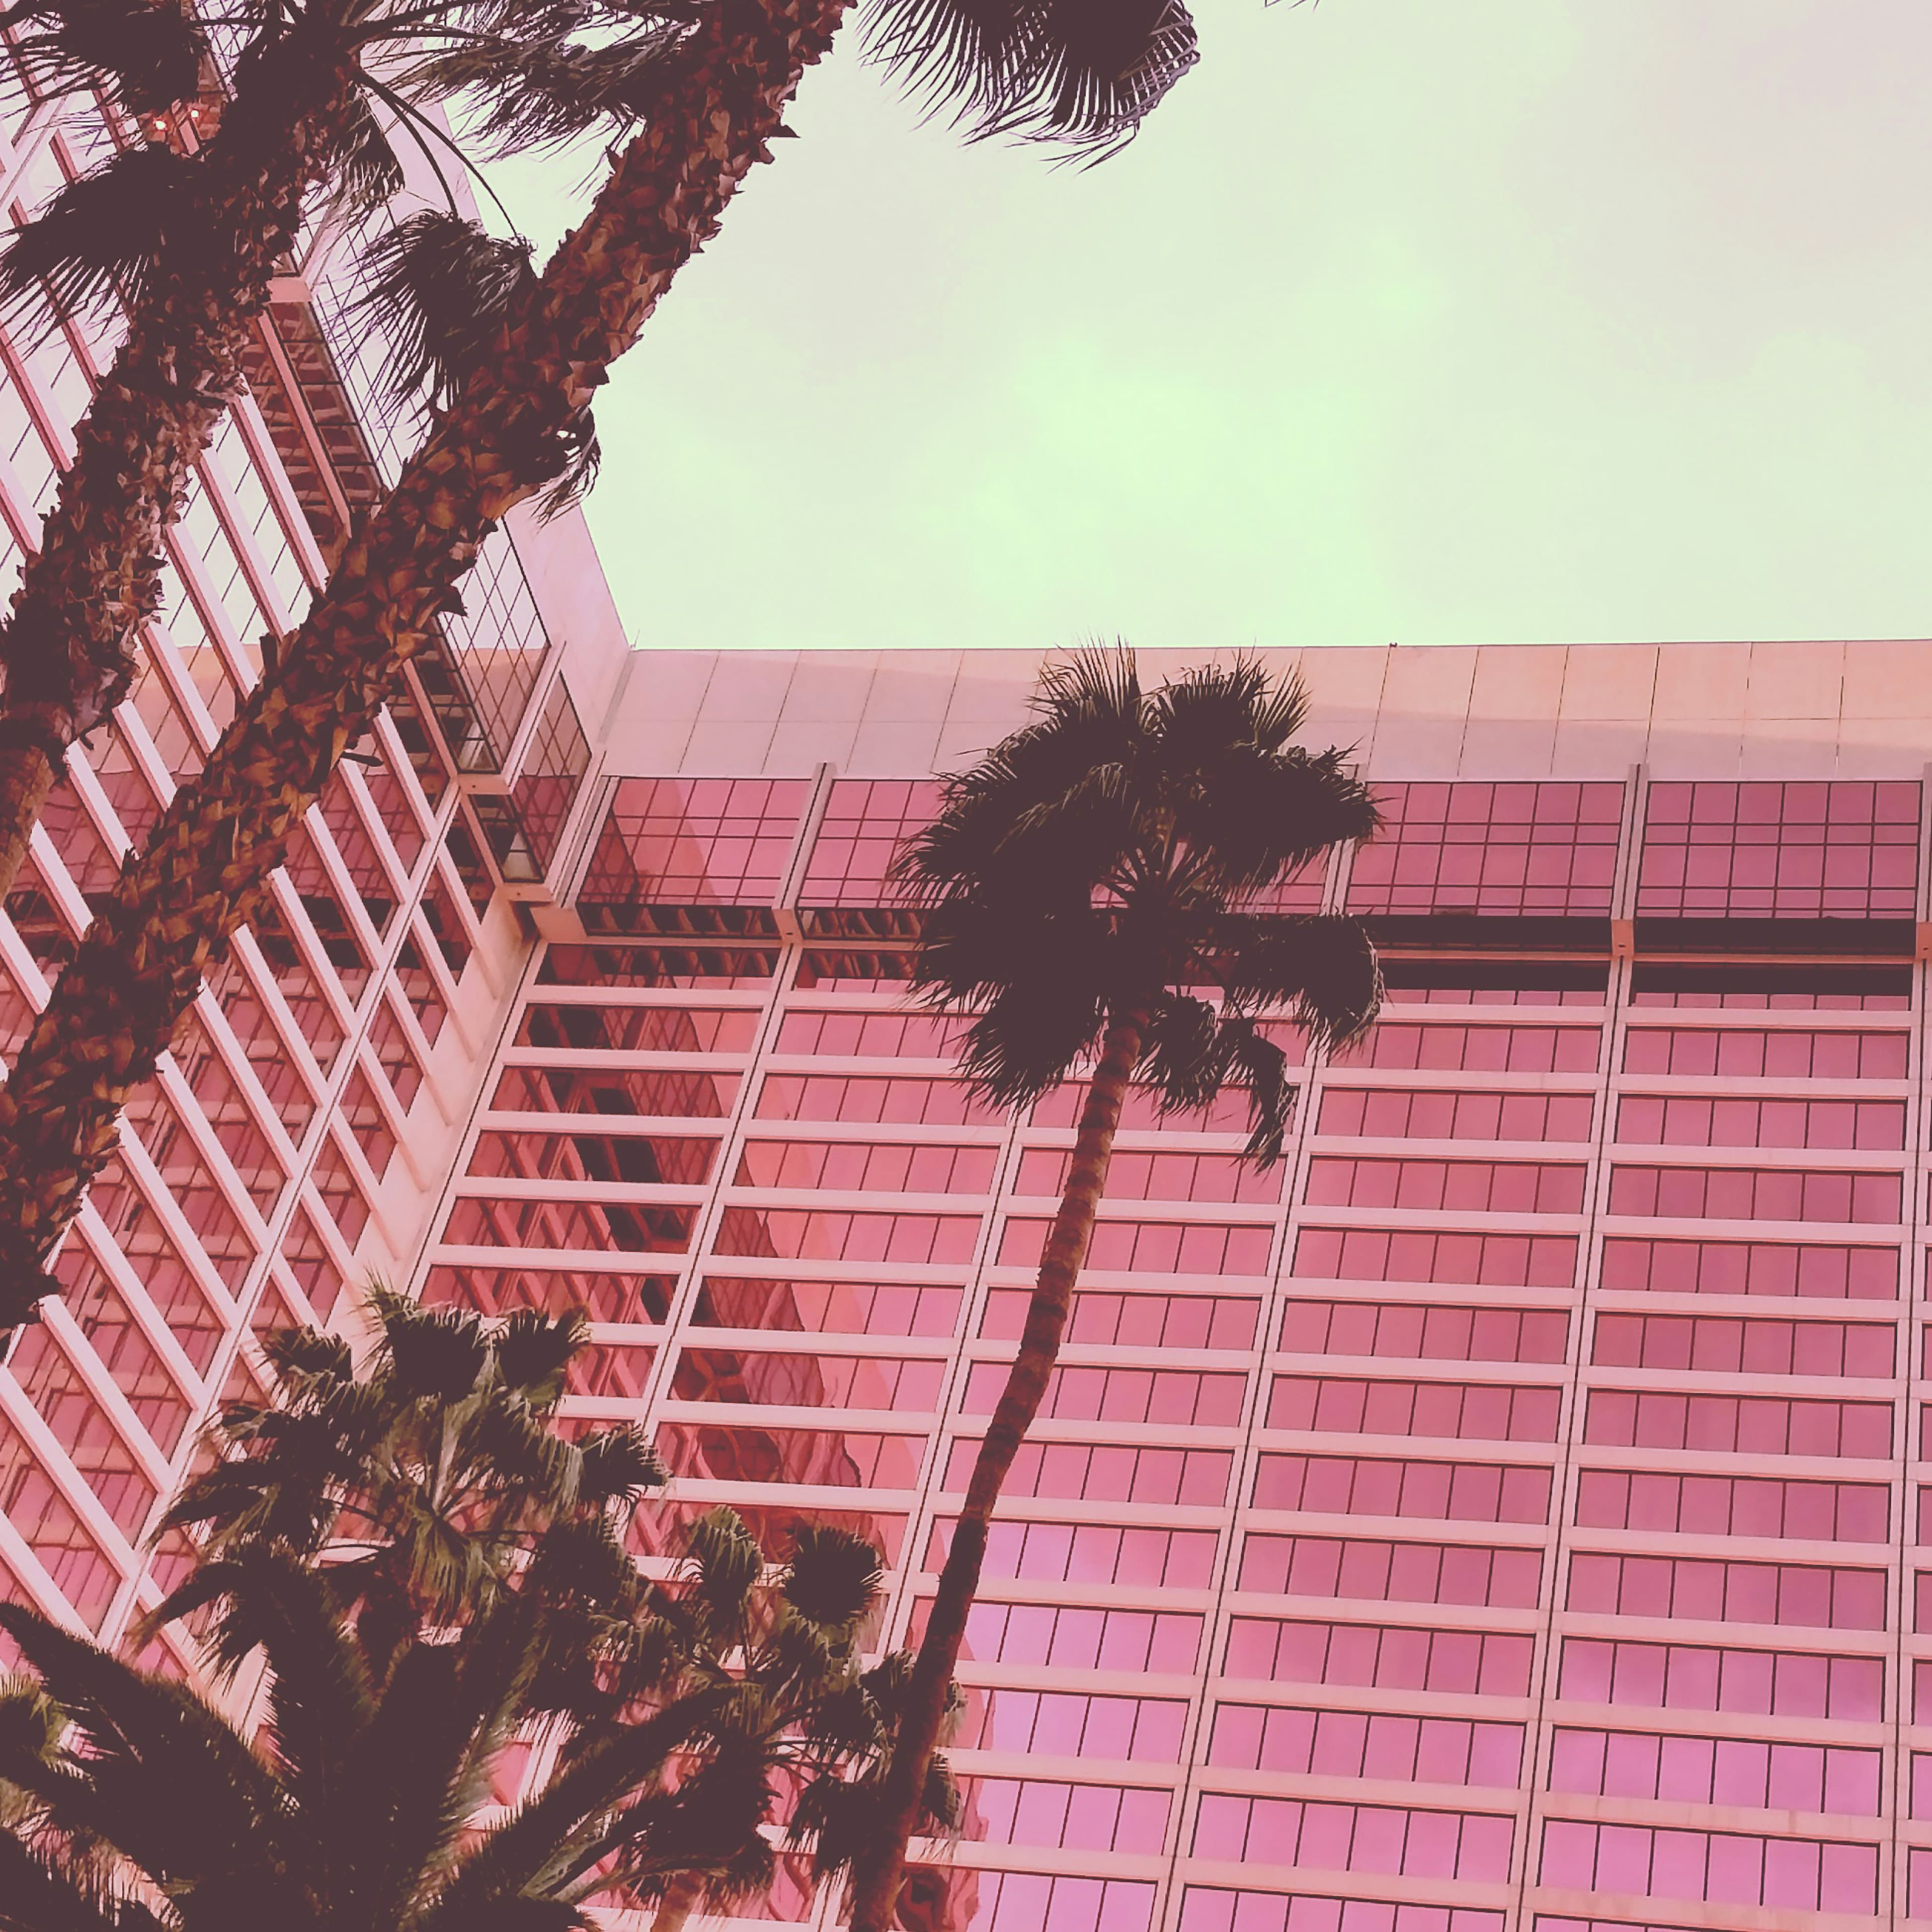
<point x="1436" y="321"/>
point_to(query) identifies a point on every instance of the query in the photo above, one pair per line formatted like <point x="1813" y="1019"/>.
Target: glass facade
<point x="1508" y="1514"/>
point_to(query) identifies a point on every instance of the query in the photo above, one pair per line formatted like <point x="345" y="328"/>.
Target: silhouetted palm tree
<point x="183" y="228"/>
<point x="515" y="382"/>
<point x="1083" y="886"/>
<point x="427" y="1586"/>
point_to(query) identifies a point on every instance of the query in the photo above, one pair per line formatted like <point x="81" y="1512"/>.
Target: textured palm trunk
<point x="675" y="1908"/>
<point x="68" y="643"/>
<point x="205" y="866"/>
<point x="881" y="1868"/>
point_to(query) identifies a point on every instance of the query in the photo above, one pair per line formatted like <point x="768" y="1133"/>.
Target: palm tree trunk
<point x="880" y="1868"/>
<point x="677" y="1906"/>
<point x="205" y="867"/>
<point x="68" y="642"/>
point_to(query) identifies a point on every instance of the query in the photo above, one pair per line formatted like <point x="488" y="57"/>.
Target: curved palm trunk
<point x="205" y="866"/>
<point x="880" y="1869"/>
<point x="68" y="642"/>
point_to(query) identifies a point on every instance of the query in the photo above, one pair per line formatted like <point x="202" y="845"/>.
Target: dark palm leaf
<point x="101" y="237"/>
<point x="524" y="92"/>
<point x="438" y="288"/>
<point x="146" y="57"/>
<point x="1088" y="71"/>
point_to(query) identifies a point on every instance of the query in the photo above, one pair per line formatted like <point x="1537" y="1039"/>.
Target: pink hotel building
<point x="1509" y="1515"/>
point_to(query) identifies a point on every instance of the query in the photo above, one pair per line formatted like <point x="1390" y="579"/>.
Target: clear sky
<point x="1431" y="321"/>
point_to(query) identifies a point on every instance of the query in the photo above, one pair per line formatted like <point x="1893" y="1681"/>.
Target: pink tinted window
<point x="1803" y="1595"/>
<point x="1727" y="1868"/>
<point x="837" y="1458"/>
<point x="799" y="1234"/>
<point x="1512" y="850"/>
<point x="1826" y="1270"/>
<point x="610" y="1226"/>
<point x="1071" y="1817"/>
<point x="829" y="1307"/>
<point x="1081" y="1471"/>
<point x="806" y="1379"/>
<point x="1077" y="1638"/>
<point x="1732" y="1346"/>
<point x="1214" y="1909"/>
<point x="1465" y="1187"/>
<point x="1361" y="1569"/>
<point x="1747" y="1053"/>
<point x="1423" y="1331"/>
<point x="1477" y="1049"/>
<point x="859" y="1098"/>
<point x="694" y="841"/>
<point x="1734" y="1506"/>
<point x="1839" y="849"/>
<point x="1134" y="1176"/>
<point x="1438" y="1492"/>
<point x="866" y="821"/>
<point x="1474" y="1261"/>
<point x="1745" y="1772"/>
<point x="1149" y="1247"/>
<point x="1382" y="1839"/>
<point x="1689" y="1120"/>
<point x="1476" y="1411"/>
<point x="1382" y="1114"/>
<point x="1050" y="1723"/>
<point x="579" y="1028"/>
<point x="1712" y="1677"/>
<point x="868" y="1036"/>
<point x="1135" y="1320"/>
<point x="1165" y="1396"/>
<point x="1740" y="1425"/>
<point x="1090" y="1552"/>
<point x="1359" y="1744"/>
<point x="1467" y="1662"/>
<point x="1756" y="1194"/>
<point x="854" y="1166"/>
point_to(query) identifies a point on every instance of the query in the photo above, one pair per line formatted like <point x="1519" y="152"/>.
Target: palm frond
<point x="1322" y="968"/>
<point x="833" y="1579"/>
<point x="1083" y="71"/>
<point x="101" y="237"/>
<point x="147" y="57"/>
<point x="439" y="287"/>
<point x="522" y="92"/>
<point x="534" y="1350"/>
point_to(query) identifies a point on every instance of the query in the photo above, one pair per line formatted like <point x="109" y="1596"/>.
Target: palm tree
<point x="359" y="1804"/>
<point x="428" y="1475"/>
<point x="187" y="243"/>
<point x="1082" y="886"/>
<point x="427" y="1583"/>
<point x="516" y="388"/>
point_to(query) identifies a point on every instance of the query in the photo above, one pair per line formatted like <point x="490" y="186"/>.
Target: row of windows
<point x="1707" y="1677"/>
<point x="1745" y="1425"/>
<point x="1066" y="1723"/>
<point x="1684" y="1120"/>
<point x="1073" y="1817"/>
<point x="1726" y="1867"/>
<point x="1392" y="1114"/>
<point x="1752" y="1053"/>
<point x="1436" y="1492"/>
<point x="1746" y="1772"/>
<point x="1755" y="1194"/>
<point x="1476" y="1412"/>
<point x="1361" y="1570"/>
<point x="1460" y="1663"/>
<point x="1734" y="1506"/>
<point x="1391" y="1839"/>
<point x="1089" y="1552"/>
<point x="1211" y="1908"/>
<point x="1466" y="1186"/>
<point x="1367" y="1745"/>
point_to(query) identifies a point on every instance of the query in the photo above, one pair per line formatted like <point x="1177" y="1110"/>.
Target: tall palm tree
<point x="514" y="420"/>
<point x="183" y="228"/>
<point x="1082" y="887"/>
